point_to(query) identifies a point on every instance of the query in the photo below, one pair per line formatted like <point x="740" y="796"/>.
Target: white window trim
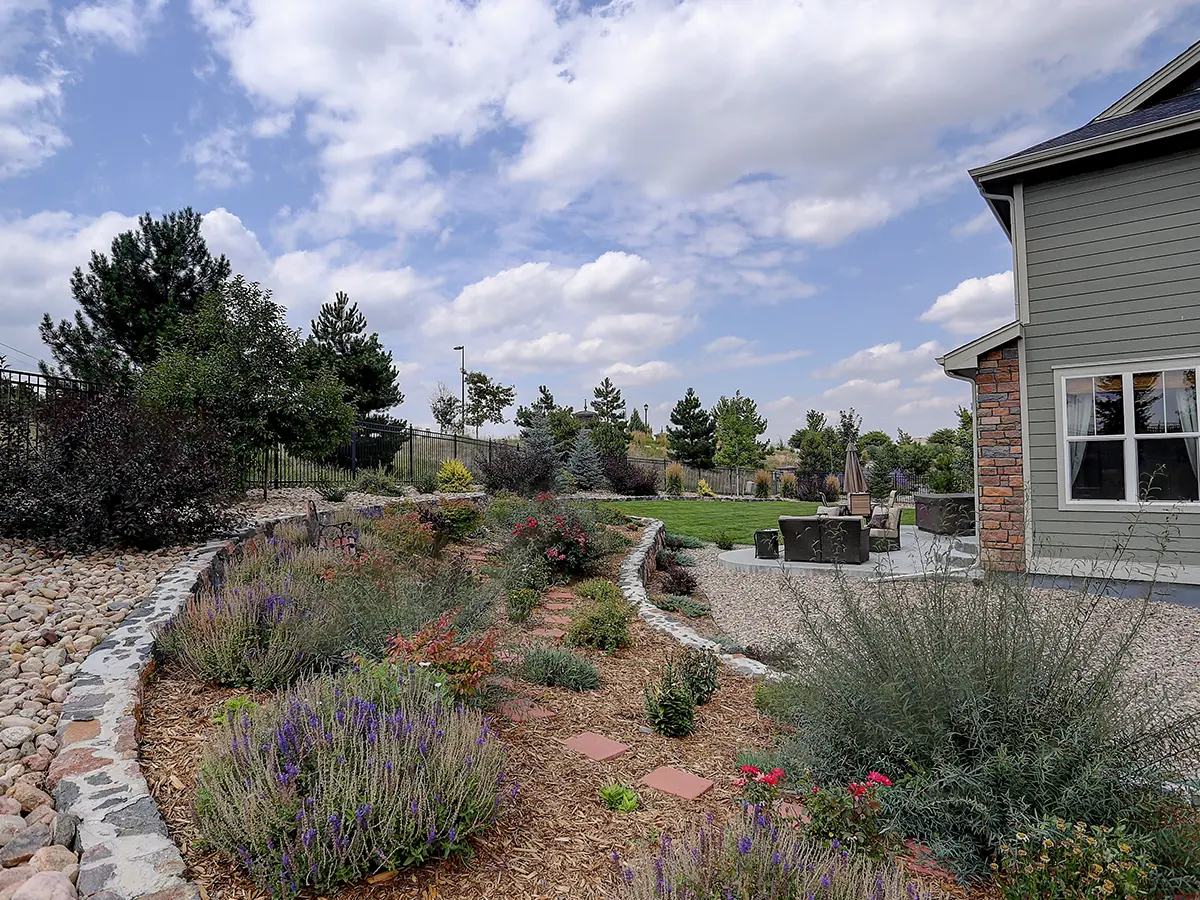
<point x="1115" y="367"/>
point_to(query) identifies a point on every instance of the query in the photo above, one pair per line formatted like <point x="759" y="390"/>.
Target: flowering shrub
<point x="367" y="771"/>
<point x="674" y="476"/>
<point x="454" y="478"/>
<point x="1061" y="861"/>
<point x="851" y="814"/>
<point x="704" y="490"/>
<point x="560" y="537"/>
<point x="755" y="857"/>
<point x="406" y="533"/>
<point x="465" y="663"/>
<point x="759" y="786"/>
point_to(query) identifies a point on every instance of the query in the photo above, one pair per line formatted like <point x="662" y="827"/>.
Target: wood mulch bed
<point x="557" y="838"/>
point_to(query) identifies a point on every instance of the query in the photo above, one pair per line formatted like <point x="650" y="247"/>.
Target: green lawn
<point x="704" y="519"/>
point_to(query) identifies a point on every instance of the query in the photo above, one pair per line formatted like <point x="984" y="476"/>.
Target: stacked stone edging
<point x="638" y="566"/>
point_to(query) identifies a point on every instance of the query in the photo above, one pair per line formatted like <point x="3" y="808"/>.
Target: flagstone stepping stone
<point x="560" y="594"/>
<point x="550" y="634"/>
<point x="502" y="681"/>
<point x="677" y="782"/>
<point x="559" y="607"/>
<point x="521" y="710"/>
<point x="793" y="811"/>
<point x="558" y="620"/>
<point x="596" y="746"/>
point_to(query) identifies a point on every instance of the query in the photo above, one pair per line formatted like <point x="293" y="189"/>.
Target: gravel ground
<point x="758" y="609"/>
<point x="291" y="501"/>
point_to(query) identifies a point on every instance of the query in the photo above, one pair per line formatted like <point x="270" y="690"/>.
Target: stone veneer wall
<point x="1001" y="478"/>
<point x="637" y="568"/>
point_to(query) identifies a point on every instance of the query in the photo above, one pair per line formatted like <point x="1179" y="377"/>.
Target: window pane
<point x="1167" y="469"/>
<point x="1148" y="410"/>
<point x="1097" y="470"/>
<point x="1110" y="405"/>
<point x="1080" y="411"/>
<point x="1180" y="401"/>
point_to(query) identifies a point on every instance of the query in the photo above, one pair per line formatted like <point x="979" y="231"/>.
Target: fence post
<point x="353" y="454"/>
<point x="278" y="453"/>
<point x="412" y="475"/>
<point x="266" y="469"/>
<point x="454" y="445"/>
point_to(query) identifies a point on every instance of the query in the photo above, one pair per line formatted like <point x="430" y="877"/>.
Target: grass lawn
<point x="705" y="519"/>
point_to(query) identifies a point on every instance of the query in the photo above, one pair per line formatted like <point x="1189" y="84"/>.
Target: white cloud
<point x="123" y="23"/>
<point x="625" y="375"/>
<point x="273" y="125"/>
<point x="975" y="306"/>
<point x="826" y="221"/>
<point x="732" y="352"/>
<point x="977" y="224"/>
<point x="219" y="158"/>
<point x="884" y="360"/>
<point x="725" y="344"/>
<point x="30" y="101"/>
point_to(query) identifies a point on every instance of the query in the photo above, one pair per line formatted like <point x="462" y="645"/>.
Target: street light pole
<point x="462" y="379"/>
<point x="646" y="418"/>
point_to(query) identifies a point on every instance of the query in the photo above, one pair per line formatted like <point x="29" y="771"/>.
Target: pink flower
<point x="856" y="790"/>
<point x="879" y="779"/>
<point x="750" y="770"/>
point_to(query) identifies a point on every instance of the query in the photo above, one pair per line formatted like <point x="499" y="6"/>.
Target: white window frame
<point x="1125" y="369"/>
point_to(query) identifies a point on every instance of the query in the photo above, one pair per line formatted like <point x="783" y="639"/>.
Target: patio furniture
<point x="884" y="527"/>
<point x="801" y="538"/>
<point x="829" y="539"/>
<point x="946" y="513"/>
<point x="766" y="543"/>
<point x="830" y="510"/>
<point x="860" y="504"/>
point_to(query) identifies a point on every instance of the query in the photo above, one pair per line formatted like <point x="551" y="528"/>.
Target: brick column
<point x="1001" y="480"/>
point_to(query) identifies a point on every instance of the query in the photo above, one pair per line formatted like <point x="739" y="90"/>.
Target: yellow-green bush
<point x="454" y="477"/>
<point x="703" y="489"/>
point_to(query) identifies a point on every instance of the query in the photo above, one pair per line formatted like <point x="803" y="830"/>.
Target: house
<point x="1086" y="420"/>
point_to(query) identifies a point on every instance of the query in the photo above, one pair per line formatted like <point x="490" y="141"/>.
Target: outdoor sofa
<point x="824" y="539"/>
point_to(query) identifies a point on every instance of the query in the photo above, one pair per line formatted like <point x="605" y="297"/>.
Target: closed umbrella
<point x="854" y="481"/>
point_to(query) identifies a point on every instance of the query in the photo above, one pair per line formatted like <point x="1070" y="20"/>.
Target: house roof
<point x="965" y="359"/>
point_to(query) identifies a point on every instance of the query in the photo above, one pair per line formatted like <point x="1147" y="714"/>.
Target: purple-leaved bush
<point x="369" y="770"/>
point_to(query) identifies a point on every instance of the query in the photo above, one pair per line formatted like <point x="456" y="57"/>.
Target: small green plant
<point x="425" y="481"/>
<point x="670" y="706"/>
<point x="789" y="486"/>
<point x="598" y="589"/>
<point x="684" y="559"/>
<point x="602" y="625"/>
<point x="728" y="644"/>
<point x="725" y="539"/>
<point x="619" y="798"/>
<point x="560" y="668"/>
<point x="698" y="671"/>
<point x="525" y="569"/>
<point x="704" y="490"/>
<point x="521" y="603"/>
<point x="1058" y="859"/>
<point x="680" y="603"/>
<point x="454" y="478"/>
<point x="674" y="475"/>
<point x="762" y="484"/>
<point x="376" y="481"/>
<point x="331" y="493"/>
<point x="682" y="542"/>
<point x="461" y="518"/>
<point x="230" y="710"/>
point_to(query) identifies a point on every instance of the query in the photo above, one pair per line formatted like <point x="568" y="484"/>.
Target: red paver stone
<point x="521" y="710"/>
<point x="502" y="681"/>
<point x="793" y="811"/>
<point x="559" y="594"/>
<point x="550" y="634"/>
<point x="558" y="620"/>
<point x="596" y="746"/>
<point x="559" y="607"/>
<point x="677" y="782"/>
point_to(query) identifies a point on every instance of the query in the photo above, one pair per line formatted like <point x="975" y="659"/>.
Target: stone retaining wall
<point x="638" y="566"/>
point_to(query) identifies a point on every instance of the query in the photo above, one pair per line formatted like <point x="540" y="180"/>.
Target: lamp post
<point x="646" y="418"/>
<point x="462" y="379"/>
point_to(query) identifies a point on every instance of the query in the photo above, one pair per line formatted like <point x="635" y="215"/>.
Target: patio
<point x="918" y="553"/>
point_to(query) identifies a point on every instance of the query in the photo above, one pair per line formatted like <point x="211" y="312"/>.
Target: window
<point x="1131" y="436"/>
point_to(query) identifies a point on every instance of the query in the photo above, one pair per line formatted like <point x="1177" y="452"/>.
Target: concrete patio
<point x="919" y="553"/>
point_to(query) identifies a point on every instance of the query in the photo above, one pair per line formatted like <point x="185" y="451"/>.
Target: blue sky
<point x="762" y="195"/>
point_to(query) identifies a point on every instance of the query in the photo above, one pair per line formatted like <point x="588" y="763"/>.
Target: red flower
<point x="856" y="790"/>
<point x="750" y="770"/>
<point x="879" y="779"/>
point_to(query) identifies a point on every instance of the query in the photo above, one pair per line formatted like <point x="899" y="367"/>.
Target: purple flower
<point x="744" y="845"/>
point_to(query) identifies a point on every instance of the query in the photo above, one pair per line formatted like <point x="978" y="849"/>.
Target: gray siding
<point x="1113" y="261"/>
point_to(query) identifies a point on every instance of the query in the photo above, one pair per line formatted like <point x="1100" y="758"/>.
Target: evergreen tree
<point x="132" y="302"/>
<point x="340" y="341"/>
<point x="880" y="480"/>
<point x="544" y="404"/>
<point x="738" y="428"/>
<point x="693" y="439"/>
<point x="561" y="419"/>
<point x="585" y="466"/>
<point x="487" y="400"/>
<point x="610" y="430"/>
<point x="636" y="423"/>
<point x="446" y="409"/>
<point x="813" y="453"/>
<point x="541" y="450"/>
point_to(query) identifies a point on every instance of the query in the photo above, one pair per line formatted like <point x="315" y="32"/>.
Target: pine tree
<point x="610" y="431"/>
<point x="340" y="341"/>
<point x="541" y="450"/>
<point x="133" y="302"/>
<point x="693" y="439"/>
<point x="585" y="465"/>
<point x="636" y="423"/>
<point x="544" y="404"/>
<point x="738" y="428"/>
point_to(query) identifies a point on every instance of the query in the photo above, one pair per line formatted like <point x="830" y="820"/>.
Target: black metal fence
<point x="25" y="400"/>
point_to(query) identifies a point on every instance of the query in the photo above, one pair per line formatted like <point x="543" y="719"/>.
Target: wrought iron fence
<point x="25" y="401"/>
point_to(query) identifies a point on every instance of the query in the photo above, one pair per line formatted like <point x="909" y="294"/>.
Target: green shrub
<point x="754" y="858"/>
<point x="454" y="478"/>
<point x="698" y="671"/>
<point x="999" y="701"/>
<point x="461" y="519"/>
<point x="703" y="490"/>
<point x="789" y="486"/>
<point x="332" y="493"/>
<point x="762" y="484"/>
<point x="598" y="589"/>
<point x="559" y="668"/>
<point x="670" y="706"/>
<point x="425" y="481"/>
<point x="525" y="570"/>
<point x="1063" y="860"/>
<point x="377" y="481"/>
<point x="674" y="476"/>
<point x="602" y="625"/>
<point x="728" y="644"/>
<point x="725" y="539"/>
<point x="682" y="542"/>
<point x="346" y="776"/>
<point x="231" y="709"/>
<point x="680" y="603"/>
<point x="618" y="798"/>
<point x="521" y="603"/>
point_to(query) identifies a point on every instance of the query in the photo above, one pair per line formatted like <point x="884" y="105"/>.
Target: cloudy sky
<point x="764" y="195"/>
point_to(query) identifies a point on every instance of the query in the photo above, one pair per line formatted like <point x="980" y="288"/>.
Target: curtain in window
<point x="1080" y="420"/>
<point x="1187" y="419"/>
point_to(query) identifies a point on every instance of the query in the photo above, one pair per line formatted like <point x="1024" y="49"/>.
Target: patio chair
<point x="860" y="505"/>
<point x="845" y="540"/>
<point x="801" y="538"/>
<point x="885" y="528"/>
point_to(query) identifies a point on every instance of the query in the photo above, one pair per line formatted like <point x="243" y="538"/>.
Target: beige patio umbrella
<point x="853" y="479"/>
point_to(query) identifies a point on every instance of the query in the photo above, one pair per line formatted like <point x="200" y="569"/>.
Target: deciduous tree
<point x="487" y="400"/>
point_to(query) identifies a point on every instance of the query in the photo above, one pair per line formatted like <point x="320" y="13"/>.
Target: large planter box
<point x="946" y="513"/>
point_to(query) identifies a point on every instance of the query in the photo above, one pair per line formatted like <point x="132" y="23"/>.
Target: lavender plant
<point x="370" y="770"/>
<point x="755" y="857"/>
